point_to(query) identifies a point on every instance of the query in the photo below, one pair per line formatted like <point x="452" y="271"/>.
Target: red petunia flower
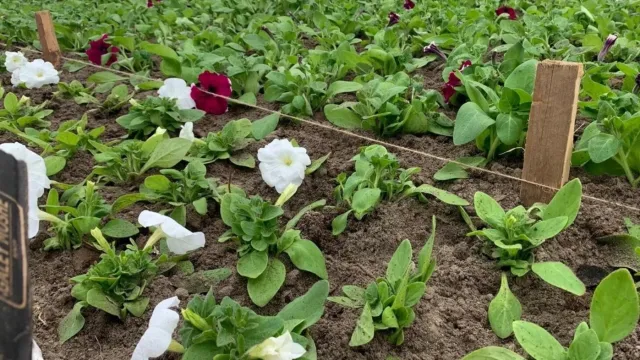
<point x="507" y="10"/>
<point x="448" y="90"/>
<point x="99" y="47"/>
<point x="408" y="4"/>
<point x="393" y="18"/>
<point x="150" y="3"/>
<point x="212" y="83"/>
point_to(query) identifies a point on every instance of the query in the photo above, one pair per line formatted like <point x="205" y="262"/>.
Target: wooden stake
<point x="48" y="40"/>
<point x="547" y="156"/>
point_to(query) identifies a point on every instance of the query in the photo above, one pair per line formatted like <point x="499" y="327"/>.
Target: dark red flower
<point x="99" y="47"/>
<point x="507" y="10"/>
<point x="393" y="18"/>
<point x="448" y="90"/>
<point x="150" y="3"/>
<point x="211" y="83"/>
<point x="408" y="4"/>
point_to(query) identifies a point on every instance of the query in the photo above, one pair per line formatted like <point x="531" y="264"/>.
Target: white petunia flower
<point x="37" y="180"/>
<point x="37" y="74"/>
<point x="15" y="78"/>
<point x="175" y="88"/>
<point x="36" y="353"/>
<point x="157" y="339"/>
<point x="282" y="164"/>
<point x="280" y="348"/>
<point x="187" y="132"/>
<point x="14" y="60"/>
<point x="179" y="240"/>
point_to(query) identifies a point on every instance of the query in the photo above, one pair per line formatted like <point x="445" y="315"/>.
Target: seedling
<point x="260" y="241"/>
<point x="387" y="304"/>
<point x="613" y="316"/>
<point x="19" y="114"/>
<point x="153" y="112"/>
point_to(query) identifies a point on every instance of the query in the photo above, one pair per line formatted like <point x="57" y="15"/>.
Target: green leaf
<point x="339" y="224"/>
<point x="400" y="262"/>
<point x="614" y="307"/>
<point x="364" y="331"/>
<point x="523" y="77"/>
<point x="504" y="309"/>
<point x="471" y="121"/>
<point x="493" y="353"/>
<point x="265" y="126"/>
<point x="442" y="195"/>
<point x="125" y="201"/>
<point x="119" y="229"/>
<point x="566" y="202"/>
<point x="157" y="183"/>
<point x="415" y="291"/>
<point x="606" y="351"/>
<point x="99" y="300"/>
<point x="537" y="342"/>
<point x="54" y="164"/>
<point x="389" y="318"/>
<point x="546" y="229"/>
<point x="72" y="323"/>
<point x="200" y="206"/>
<point x="306" y="255"/>
<point x="308" y="307"/>
<point x="509" y="128"/>
<point x="248" y="98"/>
<point x="243" y="159"/>
<point x="585" y="347"/>
<point x="253" y="264"/>
<point x="340" y="87"/>
<point x="167" y="154"/>
<point x="365" y="200"/>
<point x="160" y="50"/>
<point x="488" y="209"/>
<point x="11" y="103"/>
<point x="559" y="275"/>
<point x="342" y="117"/>
<point x="137" y="307"/>
<point x="602" y="147"/>
<point x="103" y="77"/>
<point x="263" y="288"/>
<point x="452" y="171"/>
<point x="315" y="164"/>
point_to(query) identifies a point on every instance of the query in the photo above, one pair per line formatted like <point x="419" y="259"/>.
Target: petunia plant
<point x="19" y="113"/>
<point x="613" y="316"/>
<point x="512" y="237"/>
<point x="234" y="137"/>
<point x="391" y="106"/>
<point x="131" y="159"/>
<point x="75" y="213"/>
<point x="260" y="241"/>
<point x="114" y="285"/>
<point x="610" y="145"/>
<point x="153" y="112"/>
<point x="387" y="304"/>
<point x="378" y="177"/>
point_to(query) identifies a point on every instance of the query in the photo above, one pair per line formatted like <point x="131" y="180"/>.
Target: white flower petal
<point x="177" y="89"/>
<point x="281" y="348"/>
<point x="183" y="245"/>
<point x="36" y="353"/>
<point x="153" y="343"/>
<point x="149" y="218"/>
<point x="157" y="338"/>
<point x="187" y="132"/>
<point x="14" y="60"/>
<point x="282" y="164"/>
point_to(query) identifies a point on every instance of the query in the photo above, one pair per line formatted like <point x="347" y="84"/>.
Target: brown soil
<point x="451" y="320"/>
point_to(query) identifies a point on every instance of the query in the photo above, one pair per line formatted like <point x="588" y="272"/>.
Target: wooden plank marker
<point x="547" y="156"/>
<point x="48" y="40"/>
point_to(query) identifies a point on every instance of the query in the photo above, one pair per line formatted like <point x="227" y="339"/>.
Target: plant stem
<point x="154" y="238"/>
<point x="492" y="150"/>
<point x="622" y="160"/>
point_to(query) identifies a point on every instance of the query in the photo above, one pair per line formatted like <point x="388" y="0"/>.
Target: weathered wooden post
<point x="48" y="40"/>
<point x="547" y="157"/>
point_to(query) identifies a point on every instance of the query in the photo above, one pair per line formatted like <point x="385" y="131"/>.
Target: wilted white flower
<point x="36" y="353"/>
<point x="608" y="44"/>
<point x="179" y="239"/>
<point x="37" y="180"/>
<point x="187" y="131"/>
<point x="157" y="339"/>
<point x="175" y="88"/>
<point x="282" y="164"/>
<point x="280" y="348"/>
<point x="38" y="73"/>
<point x="14" y="60"/>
